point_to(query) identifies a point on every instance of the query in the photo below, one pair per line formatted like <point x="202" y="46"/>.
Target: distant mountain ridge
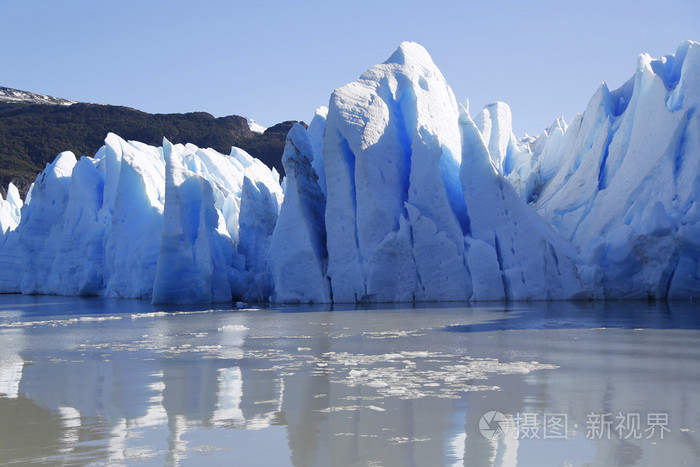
<point x="10" y="95"/>
<point x="34" y="128"/>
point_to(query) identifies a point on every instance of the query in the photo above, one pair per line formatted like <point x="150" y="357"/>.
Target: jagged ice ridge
<point x="622" y="181"/>
<point x="393" y="193"/>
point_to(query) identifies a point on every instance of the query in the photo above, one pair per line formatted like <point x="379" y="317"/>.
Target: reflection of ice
<point x="70" y="419"/>
<point x="456" y="447"/>
<point x="155" y="414"/>
<point x="126" y="429"/>
<point x="11" y="363"/>
<point x="262" y="398"/>
<point x="10" y="375"/>
<point x="510" y="443"/>
<point x="253" y="409"/>
<point x="117" y="442"/>
<point x="251" y="400"/>
<point x="494" y="451"/>
<point x="455" y="442"/>
<point x="176" y="387"/>
<point x="503" y="451"/>
<point x="176" y="444"/>
<point x="228" y="409"/>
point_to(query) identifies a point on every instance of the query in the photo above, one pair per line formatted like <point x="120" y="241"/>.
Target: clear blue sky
<point x="276" y="61"/>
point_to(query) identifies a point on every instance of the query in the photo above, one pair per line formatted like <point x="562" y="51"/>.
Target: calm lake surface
<point x="119" y="382"/>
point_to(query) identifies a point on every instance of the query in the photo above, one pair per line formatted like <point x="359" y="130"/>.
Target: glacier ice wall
<point x="393" y="193"/>
<point x="10" y="209"/>
<point x="298" y="254"/>
<point x="400" y="195"/>
<point x="535" y="262"/>
<point x="196" y="260"/>
<point x="391" y="156"/>
<point x="623" y="182"/>
<point x="136" y="221"/>
<point x="315" y="132"/>
<point x="388" y="198"/>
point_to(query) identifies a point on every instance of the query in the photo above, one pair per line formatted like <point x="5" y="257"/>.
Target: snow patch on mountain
<point x="255" y="127"/>
<point x="17" y="96"/>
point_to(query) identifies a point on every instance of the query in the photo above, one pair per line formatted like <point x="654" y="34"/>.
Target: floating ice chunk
<point x="233" y="328"/>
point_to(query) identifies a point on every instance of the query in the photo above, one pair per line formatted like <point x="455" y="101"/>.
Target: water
<point x="109" y="382"/>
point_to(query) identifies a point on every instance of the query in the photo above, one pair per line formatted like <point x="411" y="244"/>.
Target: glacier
<point x="393" y="193"/>
<point x="298" y="254"/>
<point x="412" y="212"/>
<point x="537" y="265"/>
<point x="167" y="224"/>
<point x="622" y="181"/>
<point x="10" y="209"/>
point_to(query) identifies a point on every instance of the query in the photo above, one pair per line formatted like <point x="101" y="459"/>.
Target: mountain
<point x="16" y="96"/>
<point x="35" y="128"/>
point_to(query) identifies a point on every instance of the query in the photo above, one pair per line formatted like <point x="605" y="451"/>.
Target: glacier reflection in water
<point x="120" y="382"/>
